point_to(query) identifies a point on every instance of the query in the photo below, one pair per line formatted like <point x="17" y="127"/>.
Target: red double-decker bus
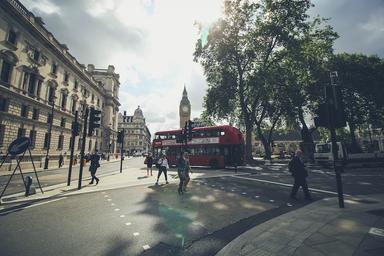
<point x="215" y="146"/>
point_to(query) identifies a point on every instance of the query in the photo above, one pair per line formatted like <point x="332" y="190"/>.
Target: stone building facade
<point x="137" y="137"/>
<point x="36" y="70"/>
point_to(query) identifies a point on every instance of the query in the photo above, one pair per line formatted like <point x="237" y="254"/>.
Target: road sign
<point x="19" y="145"/>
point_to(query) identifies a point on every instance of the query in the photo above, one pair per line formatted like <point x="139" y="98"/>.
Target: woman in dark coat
<point x="94" y="159"/>
<point x="149" y="161"/>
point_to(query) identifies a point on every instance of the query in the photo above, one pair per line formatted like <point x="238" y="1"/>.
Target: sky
<point x="151" y="44"/>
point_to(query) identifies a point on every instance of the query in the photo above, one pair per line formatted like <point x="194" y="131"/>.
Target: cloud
<point x="359" y="24"/>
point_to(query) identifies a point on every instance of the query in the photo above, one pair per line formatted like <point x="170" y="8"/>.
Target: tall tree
<point x="240" y="49"/>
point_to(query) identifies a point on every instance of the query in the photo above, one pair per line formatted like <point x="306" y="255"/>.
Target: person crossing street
<point x="299" y="173"/>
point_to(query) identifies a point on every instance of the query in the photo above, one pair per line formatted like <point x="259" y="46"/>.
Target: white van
<point x="323" y="153"/>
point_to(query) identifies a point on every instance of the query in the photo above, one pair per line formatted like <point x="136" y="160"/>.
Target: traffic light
<point x="120" y="136"/>
<point x="94" y="120"/>
<point x="322" y="119"/>
<point x="190" y="127"/>
<point x="75" y="128"/>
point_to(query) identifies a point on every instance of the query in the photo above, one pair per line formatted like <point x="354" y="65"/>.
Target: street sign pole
<point x="84" y="137"/>
<point x="73" y="138"/>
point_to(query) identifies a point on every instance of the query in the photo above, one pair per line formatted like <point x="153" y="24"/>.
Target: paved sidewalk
<point x="321" y="228"/>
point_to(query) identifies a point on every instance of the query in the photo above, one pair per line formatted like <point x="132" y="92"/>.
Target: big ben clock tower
<point x="184" y="109"/>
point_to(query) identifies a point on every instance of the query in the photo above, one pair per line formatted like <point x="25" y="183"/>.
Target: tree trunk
<point x="355" y="147"/>
<point x="248" y="142"/>
<point x="306" y="134"/>
<point x="266" y="143"/>
<point x="307" y="146"/>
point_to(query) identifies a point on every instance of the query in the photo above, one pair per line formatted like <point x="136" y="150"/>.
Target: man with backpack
<point x="299" y="173"/>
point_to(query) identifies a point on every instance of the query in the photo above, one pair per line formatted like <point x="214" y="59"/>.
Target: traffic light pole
<point x="122" y="152"/>
<point x="84" y="138"/>
<point x="72" y="150"/>
<point x="334" y="107"/>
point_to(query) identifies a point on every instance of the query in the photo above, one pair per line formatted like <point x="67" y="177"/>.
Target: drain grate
<point x="377" y="212"/>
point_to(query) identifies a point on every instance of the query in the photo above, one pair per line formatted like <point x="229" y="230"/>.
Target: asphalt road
<point x="155" y="220"/>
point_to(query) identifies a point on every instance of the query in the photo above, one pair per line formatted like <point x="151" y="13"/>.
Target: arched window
<point x="51" y="90"/>
<point x="63" y="99"/>
<point x="75" y="98"/>
<point x="7" y="61"/>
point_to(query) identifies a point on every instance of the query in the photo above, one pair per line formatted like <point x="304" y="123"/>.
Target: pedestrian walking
<point x="182" y="164"/>
<point x="163" y="167"/>
<point x="94" y="159"/>
<point x="61" y="160"/>
<point x="299" y="173"/>
<point x="149" y="162"/>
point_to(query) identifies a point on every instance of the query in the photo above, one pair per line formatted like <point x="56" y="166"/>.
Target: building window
<point x="63" y="100"/>
<point x="35" y="114"/>
<point x="76" y="85"/>
<point x="66" y="77"/>
<point x="20" y="132"/>
<point x="6" y="69"/>
<point x="32" y="137"/>
<point x="54" y="68"/>
<point x="61" y="142"/>
<point x="98" y="102"/>
<point x="79" y="144"/>
<point x="90" y="145"/>
<point x="36" y="55"/>
<point x="51" y="94"/>
<point x="24" y="111"/>
<point x="49" y="118"/>
<point x="93" y="97"/>
<point x="31" y="84"/>
<point x="46" y="140"/>
<point x="3" y="104"/>
<point x="12" y="37"/>
<point x="74" y="105"/>
<point x="62" y="122"/>
<point x="2" y="133"/>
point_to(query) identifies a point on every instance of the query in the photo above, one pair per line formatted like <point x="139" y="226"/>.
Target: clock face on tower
<point x="185" y="109"/>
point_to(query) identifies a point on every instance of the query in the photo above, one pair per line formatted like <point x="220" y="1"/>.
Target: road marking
<point x="128" y="223"/>
<point x="288" y="185"/>
<point x="376" y="231"/>
<point x="136" y="233"/>
<point x="106" y="196"/>
<point x="103" y="192"/>
<point x="117" y="209"/>
<point x="271" y="200"/>
<point x="146" y="247"/>
<point x="122" y="216"/>
<point x="289" y="205"/>
<point x="109" y="199"/>
<point x="244" y="193"/>
<point x="112" y="204"/>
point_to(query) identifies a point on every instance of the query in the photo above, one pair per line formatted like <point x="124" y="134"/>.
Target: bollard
<point x="28" y="183"/>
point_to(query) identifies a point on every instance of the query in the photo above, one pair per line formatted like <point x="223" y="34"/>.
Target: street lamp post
<point x="52" y="101"/>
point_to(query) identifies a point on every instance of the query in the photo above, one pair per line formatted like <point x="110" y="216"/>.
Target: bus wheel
<point x="214" y="164"/>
